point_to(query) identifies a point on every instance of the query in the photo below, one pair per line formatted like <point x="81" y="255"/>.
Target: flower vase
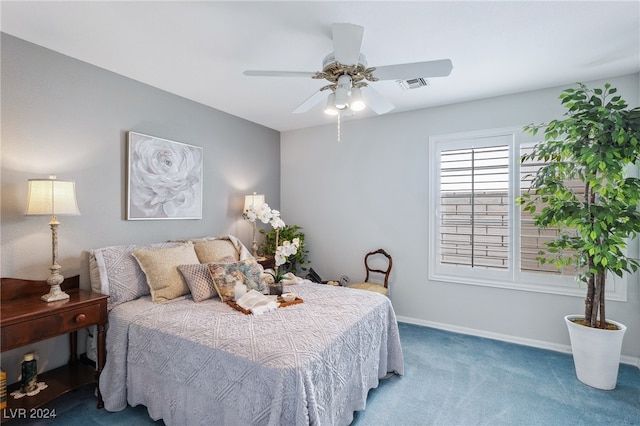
<point x="275" y="288"/>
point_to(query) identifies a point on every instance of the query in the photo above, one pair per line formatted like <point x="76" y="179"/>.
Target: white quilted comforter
<point x="206" y="363"/>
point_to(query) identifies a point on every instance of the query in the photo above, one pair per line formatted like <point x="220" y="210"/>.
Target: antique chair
<point x="371" y="268"/>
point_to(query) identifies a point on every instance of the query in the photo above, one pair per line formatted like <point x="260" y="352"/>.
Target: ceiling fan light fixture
<point x="340" y="101"/>
<point x="356" y="101"/>
<point x="331" y="109"/>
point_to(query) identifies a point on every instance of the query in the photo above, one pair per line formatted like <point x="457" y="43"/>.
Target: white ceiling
<point x="199" y="50"/>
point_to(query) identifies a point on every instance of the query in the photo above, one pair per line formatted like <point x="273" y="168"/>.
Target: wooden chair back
<point x="368" y="260"/>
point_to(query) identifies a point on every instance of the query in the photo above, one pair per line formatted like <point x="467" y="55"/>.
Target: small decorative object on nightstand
<point x="29" y="373"/>
<point x="3" y="389"/>
<point x="51" y="197"/>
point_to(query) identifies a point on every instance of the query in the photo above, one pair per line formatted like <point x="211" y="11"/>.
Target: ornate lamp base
<point x="54" y="280"/>
<point x="254" y="245"/>
<point x="55" y="293"/>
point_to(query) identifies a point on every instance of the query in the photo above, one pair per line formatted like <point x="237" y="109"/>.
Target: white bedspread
<point x="206" y="363"/>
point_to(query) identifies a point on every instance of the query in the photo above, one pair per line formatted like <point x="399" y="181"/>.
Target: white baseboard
<point x="624" y="359"/>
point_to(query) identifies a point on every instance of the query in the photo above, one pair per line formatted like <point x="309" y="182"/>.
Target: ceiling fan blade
<point x="440" y="68"/>
<point x="258" y="73"/>
<point x="347" y="39"/>
<point x="376" y="101"/>
<point x="311" y="101"/>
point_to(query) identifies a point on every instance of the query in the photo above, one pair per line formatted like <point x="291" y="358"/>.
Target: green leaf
<point x="589" y="149"/>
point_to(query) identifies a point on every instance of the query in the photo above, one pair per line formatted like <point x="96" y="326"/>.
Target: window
<point x="532" y="238"/>
<point x="474" y="207"/>
<point x="478" y="233"/>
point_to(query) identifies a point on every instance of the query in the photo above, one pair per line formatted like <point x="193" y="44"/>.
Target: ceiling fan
<point x="346" y="70"/>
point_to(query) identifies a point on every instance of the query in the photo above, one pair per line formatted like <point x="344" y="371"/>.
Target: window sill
<point x="616" y="288"/>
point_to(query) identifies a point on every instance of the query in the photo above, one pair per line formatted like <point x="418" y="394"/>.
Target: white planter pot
<point x="596" y="353"/>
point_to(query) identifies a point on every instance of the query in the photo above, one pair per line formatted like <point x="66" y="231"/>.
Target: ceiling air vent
<point x="412" y="83"/>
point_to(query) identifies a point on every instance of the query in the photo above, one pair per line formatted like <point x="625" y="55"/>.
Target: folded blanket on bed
<point x="290" y="279"/>
<point x="256" y="302"/>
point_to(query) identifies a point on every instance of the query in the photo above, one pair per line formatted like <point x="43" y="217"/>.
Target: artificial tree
<point x="296" y="263"/>
<point x="597" y="145"/>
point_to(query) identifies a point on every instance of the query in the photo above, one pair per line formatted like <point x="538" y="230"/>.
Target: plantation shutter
<point x="474" y="207"/>
<point x="532" y="238"/>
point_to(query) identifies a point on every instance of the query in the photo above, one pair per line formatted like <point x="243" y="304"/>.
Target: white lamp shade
<point x="331" y="109"/>
<point x="255" y="200"/>
<point x="52" y="198"/>
<point x="356" y="102"/>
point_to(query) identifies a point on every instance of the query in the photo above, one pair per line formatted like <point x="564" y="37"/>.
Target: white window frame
<point x="512" y="278"/>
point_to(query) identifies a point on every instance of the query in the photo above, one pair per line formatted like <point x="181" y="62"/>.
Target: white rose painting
<point x="165" y="179"/>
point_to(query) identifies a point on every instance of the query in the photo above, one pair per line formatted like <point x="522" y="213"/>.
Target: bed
<point x="204" y="362"/>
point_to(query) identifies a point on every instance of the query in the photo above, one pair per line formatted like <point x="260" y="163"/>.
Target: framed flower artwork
<point x="164" y="179"/>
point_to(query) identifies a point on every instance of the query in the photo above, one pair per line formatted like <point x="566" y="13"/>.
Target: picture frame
<point x="164" y="179"/>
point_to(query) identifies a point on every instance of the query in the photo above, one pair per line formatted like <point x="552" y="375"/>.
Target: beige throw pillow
<point x="215" y="250"/>
<point x="160" y="266"/>
<point x="199" y="279"/>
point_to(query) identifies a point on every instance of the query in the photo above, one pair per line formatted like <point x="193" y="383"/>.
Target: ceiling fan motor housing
<point x="331" y="59"/>
<point x="332" y="70"/>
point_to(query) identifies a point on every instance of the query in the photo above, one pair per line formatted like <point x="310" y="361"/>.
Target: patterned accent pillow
<point x="225" y="276"/>
<point x="199" y="279"/>
<point x="120" y="275"/>
<point x="214" y="250"/>
<point x="161" y="268"/>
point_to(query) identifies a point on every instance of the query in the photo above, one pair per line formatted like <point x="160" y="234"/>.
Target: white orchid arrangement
<point x="282" y="253"/>
<point x="265" y="214"/>
<point x="285" y="250"/>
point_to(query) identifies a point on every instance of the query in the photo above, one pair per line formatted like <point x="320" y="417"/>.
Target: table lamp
<point x="253" y="203"/>
<point x="55" y="198"/>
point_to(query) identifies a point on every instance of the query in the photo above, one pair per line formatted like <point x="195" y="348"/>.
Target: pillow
<point x="214" y="250"/>
<point x="225" y="277"/>
<point x="161" y="269"/>
<point x="199" y="279"/>
<point x="115" y="272"/>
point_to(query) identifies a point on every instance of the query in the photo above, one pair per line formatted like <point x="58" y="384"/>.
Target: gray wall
<point x="65" y="117"/>
<point x="370" y="190"/>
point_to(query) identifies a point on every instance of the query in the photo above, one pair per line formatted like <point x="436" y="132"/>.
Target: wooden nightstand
<point x="25" y="319"/>
<point x="267" y="262"/>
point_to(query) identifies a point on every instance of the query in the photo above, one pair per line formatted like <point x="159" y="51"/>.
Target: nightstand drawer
<point x="37" y="329"/>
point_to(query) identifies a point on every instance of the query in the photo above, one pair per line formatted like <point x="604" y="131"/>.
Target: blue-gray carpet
<point x="450" y="379"/>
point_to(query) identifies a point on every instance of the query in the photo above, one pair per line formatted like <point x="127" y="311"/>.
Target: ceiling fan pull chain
<point x="339" y="126"/>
